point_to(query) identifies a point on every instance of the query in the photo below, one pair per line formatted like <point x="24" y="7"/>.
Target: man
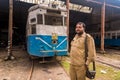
<point x="77" y="53"/>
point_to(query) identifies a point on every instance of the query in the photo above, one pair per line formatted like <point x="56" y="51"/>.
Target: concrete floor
<point x="19" y="69"/>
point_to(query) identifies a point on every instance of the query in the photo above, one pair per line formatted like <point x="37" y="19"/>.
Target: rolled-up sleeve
<point x="91" y="50"/>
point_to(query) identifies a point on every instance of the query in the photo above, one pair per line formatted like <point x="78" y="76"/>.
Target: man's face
<point x="79" y="29"/>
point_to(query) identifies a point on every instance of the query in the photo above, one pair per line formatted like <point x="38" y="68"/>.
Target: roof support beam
<point x="10" y="27"/>
<point x="67" y="20"/>
<point x="102" y="26"/>
<point x="97" y="2"/>
<point x="10" y="55"/>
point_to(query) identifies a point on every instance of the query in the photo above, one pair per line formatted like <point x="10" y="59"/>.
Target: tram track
<point x="106" y="61"/>
<point x="47" y="71"/>
<point x="117" y="67"/>
<point x="54" y="70"/>
<point x="31" y="71"/>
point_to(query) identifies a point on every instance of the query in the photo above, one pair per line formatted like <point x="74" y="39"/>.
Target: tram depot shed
<point x="100" y="19"/>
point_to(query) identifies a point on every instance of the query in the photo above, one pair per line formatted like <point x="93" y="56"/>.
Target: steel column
<point x="67" y="20"/>
<point x="102" y="26"/>
<point x="10" y="56"/>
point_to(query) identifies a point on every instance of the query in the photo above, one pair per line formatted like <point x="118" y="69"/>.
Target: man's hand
<point x="86" y="66"/>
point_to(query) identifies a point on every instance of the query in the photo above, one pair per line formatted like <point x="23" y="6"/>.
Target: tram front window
<point x="53" y="20"/>
<point x="39" y="19"/>
<point x="65" y="23"/>
<point x="33" y="27"/>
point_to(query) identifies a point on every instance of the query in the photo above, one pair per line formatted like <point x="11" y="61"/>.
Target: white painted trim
<point x="61" y="42"/>
<point x="54" y="50"/>
<point x="38" y="38"/>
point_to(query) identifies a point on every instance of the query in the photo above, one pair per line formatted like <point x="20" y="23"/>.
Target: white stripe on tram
<point x="38" y="38"/>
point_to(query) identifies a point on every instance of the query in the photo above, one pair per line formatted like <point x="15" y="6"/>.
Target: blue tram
<point x="112" y="38"/>
<point x="47" y="31"/>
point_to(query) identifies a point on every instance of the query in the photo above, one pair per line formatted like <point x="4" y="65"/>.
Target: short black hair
<point x="81" y="23"/>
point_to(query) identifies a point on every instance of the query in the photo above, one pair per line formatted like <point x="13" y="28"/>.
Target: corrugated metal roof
<point x="85" y="2"/>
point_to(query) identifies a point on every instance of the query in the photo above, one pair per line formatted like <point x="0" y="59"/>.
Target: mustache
<point x="80" y="33"/>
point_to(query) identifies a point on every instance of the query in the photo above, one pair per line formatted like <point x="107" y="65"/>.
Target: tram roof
<point x="46" y="7"/>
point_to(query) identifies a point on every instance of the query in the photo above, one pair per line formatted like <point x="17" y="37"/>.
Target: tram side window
<point x="118" y="35"/>
<point x="65" y="21"/>
<point x="113" y="36"/>
<point x="107" y="36"/>
<point x="39" y="19"/>
<point x="97" y="36"/>
<point x="53" y="20"/>
<point x="33" y="20"/>
<point x="33" y="27"/>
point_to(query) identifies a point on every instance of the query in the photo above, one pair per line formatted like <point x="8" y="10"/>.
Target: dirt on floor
<point x="49" y="71"/>
<point x="110" y="57"/>
<point x="14" y="69"/>
<point x="19" y="69"/>
<point x="110" y="53"/>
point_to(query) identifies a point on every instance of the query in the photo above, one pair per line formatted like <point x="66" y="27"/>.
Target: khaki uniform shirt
<point x="77" y="53"/>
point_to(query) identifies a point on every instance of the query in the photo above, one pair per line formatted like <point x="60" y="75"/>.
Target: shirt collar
<point x="76" y="36"/>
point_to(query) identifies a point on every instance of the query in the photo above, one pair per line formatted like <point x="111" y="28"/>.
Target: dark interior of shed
<point x="92" y="20"/>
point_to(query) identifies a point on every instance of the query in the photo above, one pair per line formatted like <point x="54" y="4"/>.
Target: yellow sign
<point x="54" y="36"/>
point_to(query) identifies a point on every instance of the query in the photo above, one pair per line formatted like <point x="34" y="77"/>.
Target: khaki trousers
<point x="77" y="72"/>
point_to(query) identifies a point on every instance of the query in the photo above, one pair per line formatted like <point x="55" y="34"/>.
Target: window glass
<point x="33" y="20"/>
<point x="65" y="21"/>
<point x="39" y="19"/>
<point x="118" y="35"/>
<point x="53" y="20"/>
<point x="113" y="35"/>
<point x="33" y="27"/>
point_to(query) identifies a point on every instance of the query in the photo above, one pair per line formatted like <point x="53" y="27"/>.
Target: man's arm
<point x="91" y="49"/>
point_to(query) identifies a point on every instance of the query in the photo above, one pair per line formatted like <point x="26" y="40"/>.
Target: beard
<point x="80" y="33"/>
